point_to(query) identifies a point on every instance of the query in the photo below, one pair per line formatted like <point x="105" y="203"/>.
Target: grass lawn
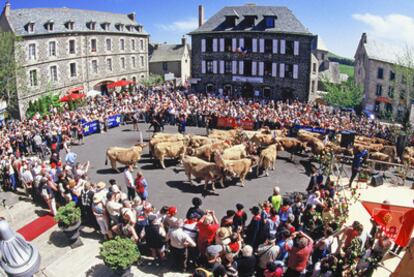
<point x="347" y="69"/>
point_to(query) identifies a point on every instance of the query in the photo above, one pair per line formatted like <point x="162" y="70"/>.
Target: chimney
<point x="131" y="16"/>
<point x="7" y="8"/>
<point x="364" y="37"/>
<point x="183" y="41"/>
<point x="200" y="15"/>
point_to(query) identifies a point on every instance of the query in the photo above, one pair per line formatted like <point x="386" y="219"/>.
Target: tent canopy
<point x="121" y="83"/>
<point x="71" y="97"/>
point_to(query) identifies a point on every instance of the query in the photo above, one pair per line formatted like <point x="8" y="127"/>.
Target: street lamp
<point x="18" y="257"/>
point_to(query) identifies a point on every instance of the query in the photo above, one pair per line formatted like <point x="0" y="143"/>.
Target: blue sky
<point x="339" y="23"/>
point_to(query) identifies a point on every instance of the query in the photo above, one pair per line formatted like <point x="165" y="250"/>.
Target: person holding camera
<point x="299" y="254"/>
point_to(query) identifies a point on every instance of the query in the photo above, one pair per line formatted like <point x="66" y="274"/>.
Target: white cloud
<point x="183" y="25"/>
<point x="396" y="27"/>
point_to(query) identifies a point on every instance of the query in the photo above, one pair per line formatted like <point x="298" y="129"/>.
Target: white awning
<point x="93" y="93"/>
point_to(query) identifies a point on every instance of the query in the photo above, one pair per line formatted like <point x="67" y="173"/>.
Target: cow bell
<point x="18" y="257"/>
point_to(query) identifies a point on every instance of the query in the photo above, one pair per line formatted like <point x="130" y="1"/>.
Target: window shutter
<point x="295" y="71"/>
<point x="241" y="43"/>
<point x="282" y="70"/>
<point x="254" y="45"/>
<point x="221" y="67"/>
<point x="234" y="67"/>
<point x="203" y="67"/>
<point x="215" y="67"/>
<point x="283" y="46"/>
<point x="261" y="68"/>
<point x="275" y="46"/>
<point x="214" y="45"/>
<point x="254" y="68"/>
<point x="261" y="47"/>
<point x="296" y="48"/>
<point x="222" y="45"/>
<point x="241" y="67"/>
<point x="234" y="44"/>
<point x="274" y="68"/>
<point x="203" y="45"/>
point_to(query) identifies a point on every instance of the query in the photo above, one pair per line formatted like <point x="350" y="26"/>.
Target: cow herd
<point x="234" y="153"/>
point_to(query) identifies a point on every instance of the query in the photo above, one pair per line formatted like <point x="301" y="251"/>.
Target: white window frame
<point x="283" y="47"/>
<point x="142" y="46"/>
<point x="51" y="75"/>
<point x="274" y="69"/>
<point x="133" y="44"/>
<point x="241" y="67"/>
<point x="221" y="44"/>
<point x="133" y="62"/>
<point x="121" y="44"/>
<point x="261" y="45"/>
<point x="215" y="67"/>
<point x="215" y="45"/>
<point x="296" y="48"/>
<point x="142" y="61"/>
<point x="261" y="68"/>
<point x="122" y="63"/>
<point x="234" y="67"/>
<point x="74" y="40"/>
<point x="32" y="55"/>
<point x="234" y="44"/>
<point x="35" y="79"/>
<point x="254" y="68"/>
<point x="274" y="46"/>
<point x="70" y="71"/>
<point x="295" y="71"/>
<point x="203" y="67"/>
<point x="49" y="52"/>
<point x="94" y="69"/>
<point x="241" y="42"/>
<point x="110" y="45"/>
<point x="221" y="67"/>
<point x="96" y="45"/>
<point x="254" y="45"/>
<point x="203" y="45"/>
<point x="109" y="65"/>
<point x="282" y="70"/>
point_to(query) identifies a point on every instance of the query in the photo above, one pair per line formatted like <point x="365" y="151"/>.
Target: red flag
<point x="395" y="221"/>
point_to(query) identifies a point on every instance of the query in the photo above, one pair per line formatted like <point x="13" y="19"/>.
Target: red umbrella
<point x="71" y="97"/>
<point x="121" y="83"/>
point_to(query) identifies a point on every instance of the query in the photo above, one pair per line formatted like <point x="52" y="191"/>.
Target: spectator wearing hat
<point x="213" y="261"/>
<point x="141" y="186"/>
<point x="101" y="215"/>
<point x="266" y="252"/>
<point x="299" y="254"/>
<point x="254" y="228"/>
<point x="101" y="191"/>
<point x="180" y="241"/>
<point x="170" y="217"/>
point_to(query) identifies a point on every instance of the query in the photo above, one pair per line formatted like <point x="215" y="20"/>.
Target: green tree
<point x="346" y="95"/>
<point x="153" y="80"/>
<point x="10" y="68"/>
<point x="405" y="80"/>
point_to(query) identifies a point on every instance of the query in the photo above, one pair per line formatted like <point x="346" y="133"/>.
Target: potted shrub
<point x="68" y="218"/>
<point x="119" y="254"/>
<point x="363" y="177"/>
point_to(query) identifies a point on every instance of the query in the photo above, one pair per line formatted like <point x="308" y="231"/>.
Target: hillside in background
<point x="346" y="65"/>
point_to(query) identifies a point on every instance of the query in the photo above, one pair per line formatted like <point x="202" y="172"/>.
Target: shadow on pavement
<point x="108" y="171"/>
<point x="99" y="270"/>
<point x="58" y="239"/>
<point x="185" y="187"/>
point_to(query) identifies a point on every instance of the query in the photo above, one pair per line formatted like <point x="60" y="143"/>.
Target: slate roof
<point x="286" y="22"/>
<point x="381" y="51"/>
<point x="19" y="18"/>
<point x="166" y="52"/>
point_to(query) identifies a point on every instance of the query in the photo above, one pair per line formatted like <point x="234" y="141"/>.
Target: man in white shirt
<point x="179" y="241"/>
<point x="129" y="182"/>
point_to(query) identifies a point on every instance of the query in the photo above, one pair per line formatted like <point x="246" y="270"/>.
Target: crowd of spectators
<point x="285" y="236"/>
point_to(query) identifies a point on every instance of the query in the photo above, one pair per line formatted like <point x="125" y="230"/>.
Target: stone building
<point x="253" y="51"/>
<point x="171" y="58"/>
<point x="65" y="50"/>
<point x="386" y="88"/>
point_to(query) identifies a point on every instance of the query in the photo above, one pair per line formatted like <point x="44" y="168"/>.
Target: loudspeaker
<point x="347" y="138"/>
<point x="377" y="180"/>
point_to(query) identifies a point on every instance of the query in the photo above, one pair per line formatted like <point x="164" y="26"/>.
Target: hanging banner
<point x="114" y="121"/>
<point x="90" y="128"/>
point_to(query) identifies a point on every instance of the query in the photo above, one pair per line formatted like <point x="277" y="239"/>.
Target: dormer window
<point x="30" y="27"/>
<point x="69" y="25"/>
<point x="120" y="27"/>
<point x="250" y="20"/>
<point x="105" y="26"/>
<point x="231" y="21"/>
<point x="138" y="28"/>
<point x="91" y="25"/>
<point x="49" y="25"/>
<point x="270" y="21"/>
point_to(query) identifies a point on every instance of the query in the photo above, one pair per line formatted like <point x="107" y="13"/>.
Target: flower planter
<point x="123" y="272"/>
<point x="72" y="233"/>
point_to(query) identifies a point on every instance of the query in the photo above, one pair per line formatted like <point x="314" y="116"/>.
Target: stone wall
<point x="83" y="58"/>
<point x="277" y="85"/>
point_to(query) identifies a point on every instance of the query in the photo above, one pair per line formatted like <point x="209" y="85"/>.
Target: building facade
<point x="171" y="58"/>
<point x="65" y="50"/>
<point x="386" y="87"/>
<point x="252" y="51"/>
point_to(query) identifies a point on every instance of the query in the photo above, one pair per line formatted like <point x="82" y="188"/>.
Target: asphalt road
<point x="169" y="187"/>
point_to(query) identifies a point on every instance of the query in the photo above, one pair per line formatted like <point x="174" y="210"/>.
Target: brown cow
<point x="234" y="168"/>
<point x="267" y="159"/>
<point x="235" y="152"/>
<point x="197" y="141"/>
<point x="316" y="146"/>
<point x="199" y="168"/>
<point x="162" y="137"/>
<point x="291" y="145"/>
<point x="263" y="140"/>
<point x="370" y="147"/>
<point x="164" y="150"/>
<point x="207" y="151"/>
<point x="125" y="156"/>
